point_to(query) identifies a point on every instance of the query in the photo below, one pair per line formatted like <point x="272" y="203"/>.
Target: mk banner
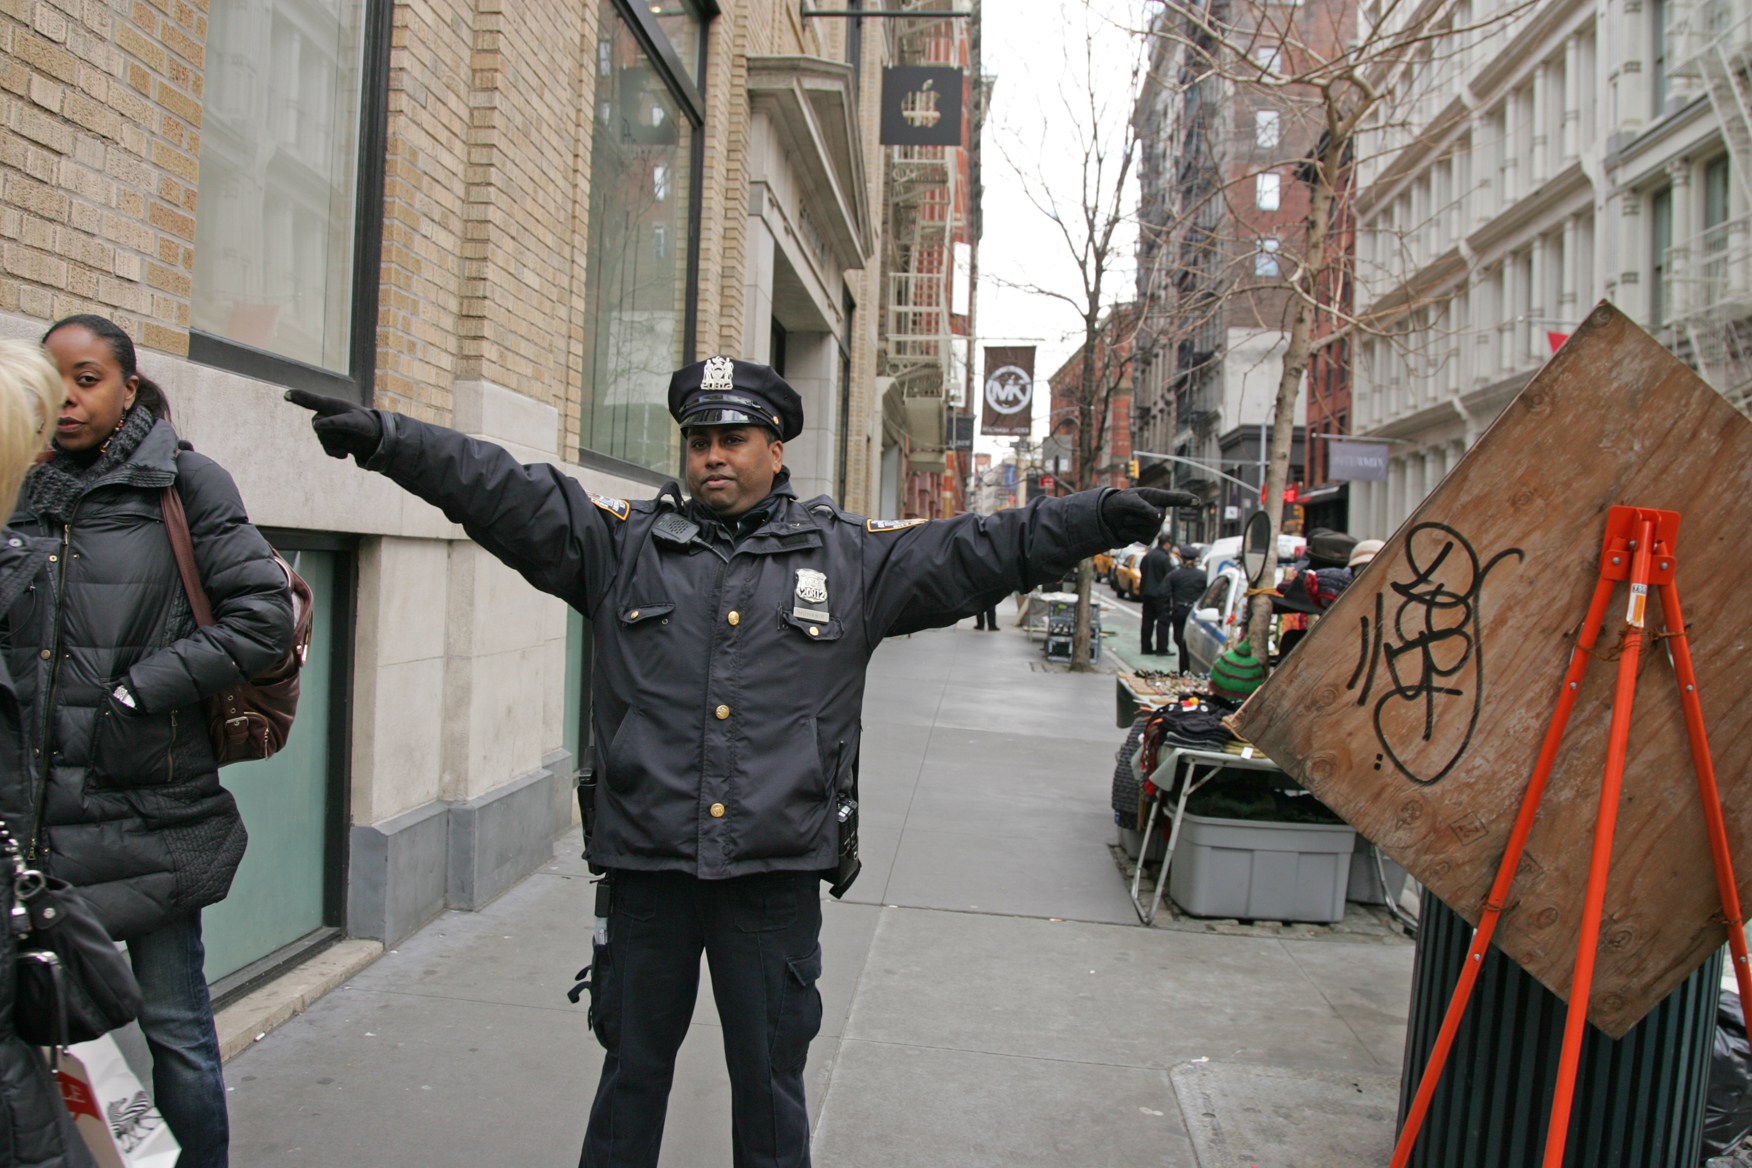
<point x="1009" y="391"/>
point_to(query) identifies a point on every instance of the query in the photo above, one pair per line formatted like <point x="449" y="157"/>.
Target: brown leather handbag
<point x="250" y="721"/>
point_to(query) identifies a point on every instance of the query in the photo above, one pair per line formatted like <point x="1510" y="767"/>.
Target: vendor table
<point x="1214" y="763"/>
<point x="1134" y="695"/>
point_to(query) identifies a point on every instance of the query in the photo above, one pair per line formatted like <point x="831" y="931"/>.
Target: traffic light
<point x="1132" y="470"/>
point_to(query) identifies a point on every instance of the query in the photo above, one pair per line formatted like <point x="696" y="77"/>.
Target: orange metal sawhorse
<point x="1638" y="548"/>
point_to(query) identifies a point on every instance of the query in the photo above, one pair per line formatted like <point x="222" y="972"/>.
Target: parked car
<point x="1104" y="565"/>
<point x="1216" y="621"/>
<point x="1115" y="558"/>
<point x="1129" y="573"/>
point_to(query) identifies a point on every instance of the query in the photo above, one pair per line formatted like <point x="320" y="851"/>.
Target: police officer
<point x="732" y="630"/>
<point x="1185" y="584"/>
<point x="1153" y="589"/>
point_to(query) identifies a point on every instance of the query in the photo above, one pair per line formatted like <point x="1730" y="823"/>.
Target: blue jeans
<point x="177" y="1018"/>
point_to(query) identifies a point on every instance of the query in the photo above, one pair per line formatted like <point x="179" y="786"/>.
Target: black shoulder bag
<point x="74" y="985"/>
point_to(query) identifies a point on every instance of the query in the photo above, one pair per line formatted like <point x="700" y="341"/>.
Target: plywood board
<point x="1416" y="706"/>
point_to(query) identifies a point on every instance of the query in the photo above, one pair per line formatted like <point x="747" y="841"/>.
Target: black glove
<point x="343" y="427"/>
<point x="1135" y="515"/>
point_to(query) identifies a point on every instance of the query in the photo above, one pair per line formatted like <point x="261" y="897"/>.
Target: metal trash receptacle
<point x="1639" y="1100"/>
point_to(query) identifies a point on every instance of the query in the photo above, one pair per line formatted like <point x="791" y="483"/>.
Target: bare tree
<point x="1087" y="199"/>
<point x="1338" y="91"/>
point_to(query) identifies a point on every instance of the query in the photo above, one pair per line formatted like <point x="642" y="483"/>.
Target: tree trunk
<point x="1086" y="452"/>
<point x="1296" y="359"/>
<point x="1080" y="643"/>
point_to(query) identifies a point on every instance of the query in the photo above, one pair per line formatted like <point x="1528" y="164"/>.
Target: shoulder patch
<point x="892" y="524"/>
<point x="619" y="508"/>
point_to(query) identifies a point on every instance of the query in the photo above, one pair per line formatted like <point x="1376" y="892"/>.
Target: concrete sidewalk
<point x="989" y="996"/>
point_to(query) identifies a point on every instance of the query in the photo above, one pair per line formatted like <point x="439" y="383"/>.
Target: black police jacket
<point x="1183" y="586"/>
<point x="729" y="677"/>
<point x="1156" y="567"/>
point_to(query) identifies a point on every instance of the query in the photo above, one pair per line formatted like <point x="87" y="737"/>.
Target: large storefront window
<point x="636" y="274"/>
<point x="279" y="164"/>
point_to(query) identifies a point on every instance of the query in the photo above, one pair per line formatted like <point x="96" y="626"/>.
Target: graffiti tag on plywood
<point x="1421" y="657"/>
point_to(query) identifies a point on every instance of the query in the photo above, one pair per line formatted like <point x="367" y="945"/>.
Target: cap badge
<point x="720" y="374"/>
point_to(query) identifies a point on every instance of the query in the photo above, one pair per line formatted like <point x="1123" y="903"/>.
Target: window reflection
<point x="279" y="148"/>
<point x="681" y="22"/>
<point x="636" y="275"/>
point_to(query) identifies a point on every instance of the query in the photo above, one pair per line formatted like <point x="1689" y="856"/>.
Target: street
<point x="989" y="997"/>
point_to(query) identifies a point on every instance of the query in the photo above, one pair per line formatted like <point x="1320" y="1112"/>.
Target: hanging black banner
<point x="921" y="105"/>
<point x="1009" y="391"/>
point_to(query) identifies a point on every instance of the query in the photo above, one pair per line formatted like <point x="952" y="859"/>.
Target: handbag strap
<point x="182" y="544"/>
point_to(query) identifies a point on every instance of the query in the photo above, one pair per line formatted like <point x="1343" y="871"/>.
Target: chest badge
<point x="811" y="592"/>
<point x="811" y="586"/>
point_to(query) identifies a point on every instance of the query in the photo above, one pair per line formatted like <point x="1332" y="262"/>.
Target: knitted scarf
<point x="54" y="488"/>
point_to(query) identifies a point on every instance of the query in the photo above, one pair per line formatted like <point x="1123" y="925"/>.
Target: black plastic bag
<point x="1727" y="1113"/>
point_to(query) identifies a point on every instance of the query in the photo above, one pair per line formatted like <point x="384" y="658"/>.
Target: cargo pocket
<point x="799" y="1012"/>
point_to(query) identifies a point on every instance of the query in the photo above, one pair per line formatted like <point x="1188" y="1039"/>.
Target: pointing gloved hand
<point x="343" y="427"/>
<point x="1136" y="514"/>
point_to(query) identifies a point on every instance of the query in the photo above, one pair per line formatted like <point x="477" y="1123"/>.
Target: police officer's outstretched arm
<point x="533" y="518"/>
<point x="926" y="574"/>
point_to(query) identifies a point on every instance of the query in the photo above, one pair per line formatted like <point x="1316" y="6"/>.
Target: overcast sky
<point x="1035" y="49"/>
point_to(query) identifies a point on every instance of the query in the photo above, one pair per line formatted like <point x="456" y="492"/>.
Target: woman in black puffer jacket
<point x="35" y="1129"/>
<point x="127" y="804"/>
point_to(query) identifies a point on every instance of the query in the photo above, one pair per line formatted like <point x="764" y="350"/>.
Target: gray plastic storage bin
<point x="1131" y="839"/>
<point x="1365" y="882"/>
<point x="1261" y="871"/>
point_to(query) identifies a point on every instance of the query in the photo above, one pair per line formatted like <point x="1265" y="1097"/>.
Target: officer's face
<point x="731" y="468"/>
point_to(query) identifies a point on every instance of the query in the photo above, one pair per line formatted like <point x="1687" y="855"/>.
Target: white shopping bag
<point x="112" y="1110"/>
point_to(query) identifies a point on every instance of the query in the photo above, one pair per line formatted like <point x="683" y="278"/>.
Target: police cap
<point x="721" y="391"/>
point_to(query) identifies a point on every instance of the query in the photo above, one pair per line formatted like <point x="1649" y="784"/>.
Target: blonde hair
<point x="30" y="394"/>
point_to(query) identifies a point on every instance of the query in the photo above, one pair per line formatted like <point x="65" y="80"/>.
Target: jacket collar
<point x="153" y="463"/>
<point x="770" y="525"/>
<point x="150" y="464"/>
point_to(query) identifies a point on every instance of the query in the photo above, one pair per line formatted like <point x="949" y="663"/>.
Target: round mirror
<point x="1256" y="549"/>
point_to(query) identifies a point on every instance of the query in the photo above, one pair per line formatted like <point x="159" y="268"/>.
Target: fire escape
<point x="1707" y="284"/>
<point x="924" y="221"/>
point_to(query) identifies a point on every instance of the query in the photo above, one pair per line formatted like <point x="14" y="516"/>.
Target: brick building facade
<point x="511" y="219"/>
<point x="1112" y="393"/>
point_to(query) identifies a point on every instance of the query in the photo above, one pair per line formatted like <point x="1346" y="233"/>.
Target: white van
<point x="1226" y="553"/>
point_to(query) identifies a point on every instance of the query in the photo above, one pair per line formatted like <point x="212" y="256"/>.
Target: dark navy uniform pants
<point x="1156" y="625"/>
<point x="761" y="937"/>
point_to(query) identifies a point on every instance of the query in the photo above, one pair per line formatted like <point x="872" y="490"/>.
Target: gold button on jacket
<point x="722" y="712"/>
<point x="734" y="618"/>
<point x="717" y="811"/>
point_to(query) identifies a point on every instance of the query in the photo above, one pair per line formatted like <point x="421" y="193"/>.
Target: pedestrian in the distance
<point x="733" y="629"/>
<point x="1186" y="583"/>
<point x="1153" y="590"/>
<point x="987" y="619"/>
<point x="39" y="1132"/>
<point x="131" y="809"/>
